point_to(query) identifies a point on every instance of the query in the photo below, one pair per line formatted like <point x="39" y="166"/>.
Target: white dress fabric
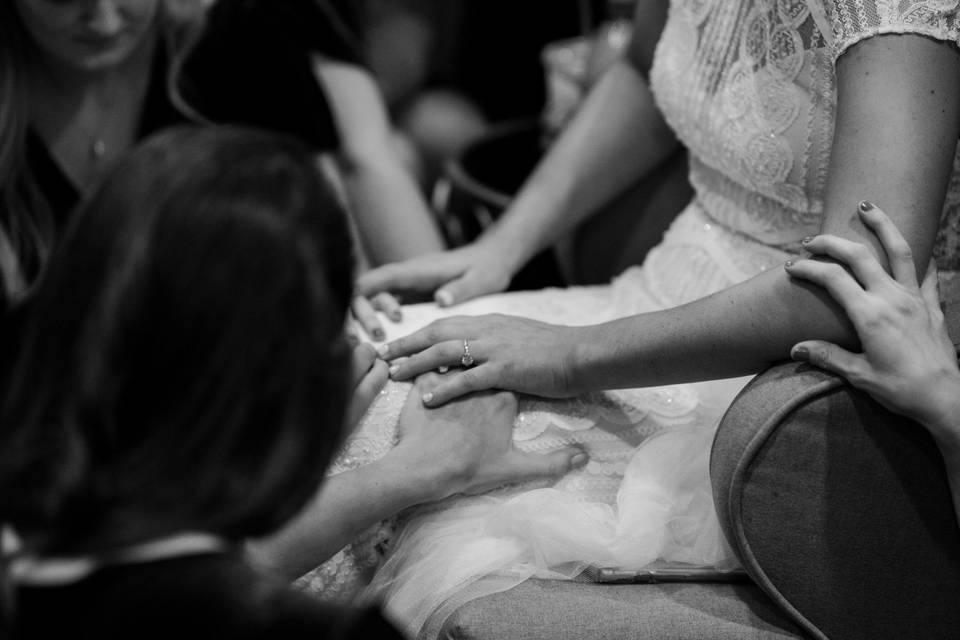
<point x="749" y="87"/>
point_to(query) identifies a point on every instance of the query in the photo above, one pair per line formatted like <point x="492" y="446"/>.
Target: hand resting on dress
<point x="467" y="444"/>
<point x="451" y="277"/>
<point x="509" y="352"/>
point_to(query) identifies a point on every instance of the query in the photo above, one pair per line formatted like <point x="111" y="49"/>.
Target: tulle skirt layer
<point x="643" y="498"/>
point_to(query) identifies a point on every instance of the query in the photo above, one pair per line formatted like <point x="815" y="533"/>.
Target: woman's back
<point x="212" y="595"/>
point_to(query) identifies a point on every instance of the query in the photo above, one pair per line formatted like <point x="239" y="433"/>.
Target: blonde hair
<point x="27" y="227"/>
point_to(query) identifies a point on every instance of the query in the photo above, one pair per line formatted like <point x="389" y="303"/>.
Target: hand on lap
<point x="450" y="277"/>
<point x="505" y="352"/>
<point x="469" y="442"/>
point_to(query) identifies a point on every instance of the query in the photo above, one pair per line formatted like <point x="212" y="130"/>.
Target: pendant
<point x="97" y="149"/>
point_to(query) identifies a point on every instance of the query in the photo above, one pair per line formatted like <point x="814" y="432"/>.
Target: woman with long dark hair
<point x="178" y="383"/>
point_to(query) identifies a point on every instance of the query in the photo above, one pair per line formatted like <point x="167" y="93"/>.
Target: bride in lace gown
<point x="793" y="111"/>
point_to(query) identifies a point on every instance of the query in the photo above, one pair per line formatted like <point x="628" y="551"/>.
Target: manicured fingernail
<point x="393" y="370"/>
<point x="800" y="354"/>
<point x="396" y="316"/>
<point x="443" y="297"/>
<point x="383" y="350"/>
<point x="789" y="263"/>
<point x="378" y="334"/>
<point x="579" y="459"/>
<point x="352" y="340"/>
<point x="807" y="240"/>
<point x="427" y="398"/>
<point x="865" y="206"/>
<point x="443" y="368"/>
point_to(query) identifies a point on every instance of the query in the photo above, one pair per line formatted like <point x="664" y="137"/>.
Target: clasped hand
<point x="465" y="446"/>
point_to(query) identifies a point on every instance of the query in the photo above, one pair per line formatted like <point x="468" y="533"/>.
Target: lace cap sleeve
<point x="844" y="23"/>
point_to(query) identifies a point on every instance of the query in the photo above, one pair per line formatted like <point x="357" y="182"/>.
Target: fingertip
<point x="427" y="398"/>
<point x="865" y="206"/>
<point x="800" y="353"/>
<point x="579" y="459"/>
<point x="443" y="297"/>
<point x="383" y="350"/>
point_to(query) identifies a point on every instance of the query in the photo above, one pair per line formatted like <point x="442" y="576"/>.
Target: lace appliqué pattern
<point x="754" y="101"/>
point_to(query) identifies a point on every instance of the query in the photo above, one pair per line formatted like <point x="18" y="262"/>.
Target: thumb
<point x="522" y="466"/>
<point x="825" y="355"/>
<point x="470" y="285"/>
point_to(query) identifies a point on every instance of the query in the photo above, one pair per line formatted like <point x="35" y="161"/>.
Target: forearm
<point x="893" y="144"/>
<point x="345" y="506"/>
<point x="738" y="331"/>
<point x="952" y="464"/>
<point x="617" y="136"/>
<point x="946" y="433"/>
<point x="390" y="214"/>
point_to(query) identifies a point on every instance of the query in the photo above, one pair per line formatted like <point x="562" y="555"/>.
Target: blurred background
<point x="478" y="89"/>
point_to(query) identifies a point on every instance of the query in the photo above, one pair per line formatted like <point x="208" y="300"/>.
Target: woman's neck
<point x="88" y="120"/>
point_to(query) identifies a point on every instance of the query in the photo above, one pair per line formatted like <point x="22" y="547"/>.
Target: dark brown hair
<point x="181" y="364"/>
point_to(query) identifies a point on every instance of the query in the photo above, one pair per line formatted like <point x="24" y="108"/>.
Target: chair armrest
<point x="838" y="509"/>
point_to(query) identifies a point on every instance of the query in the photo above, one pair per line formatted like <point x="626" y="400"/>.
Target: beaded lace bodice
<point x="749" y="88"/>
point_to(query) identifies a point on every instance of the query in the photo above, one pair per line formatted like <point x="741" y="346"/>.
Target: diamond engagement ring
<point x="466" y="360"/>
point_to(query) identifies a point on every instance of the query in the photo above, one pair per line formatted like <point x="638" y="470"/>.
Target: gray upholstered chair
<point x="839" y="510"/>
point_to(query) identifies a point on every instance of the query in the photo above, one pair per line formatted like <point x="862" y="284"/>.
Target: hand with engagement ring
<point x="466" y="360"/>
<point x="499" y="352"/>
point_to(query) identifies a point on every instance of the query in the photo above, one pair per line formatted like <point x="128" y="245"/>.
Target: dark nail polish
<point x="865" y="206"/>
<point x="807" y="240"/>
<point x="800" y="354"/>
<point x="378" y="334"/>
<point x="789" y="263"/>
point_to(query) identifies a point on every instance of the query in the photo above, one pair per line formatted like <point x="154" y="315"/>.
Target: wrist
<point x="415" y="479"/>
<point x="580" y="362"/>
<point x="944" y="421"/>
<point x="512" y="249"/>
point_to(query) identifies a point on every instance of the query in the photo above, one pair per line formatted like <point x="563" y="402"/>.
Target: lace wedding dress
<point x="749" y="87"/>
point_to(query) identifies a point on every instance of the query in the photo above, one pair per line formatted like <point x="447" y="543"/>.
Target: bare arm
<point x="464" y="447"/>
<point x="617" y="136"/>
<point x="897" y="126"/>
<point x="345" y="506"/>
<point x="908" y="362"/>
<point x="392" y="218"/>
